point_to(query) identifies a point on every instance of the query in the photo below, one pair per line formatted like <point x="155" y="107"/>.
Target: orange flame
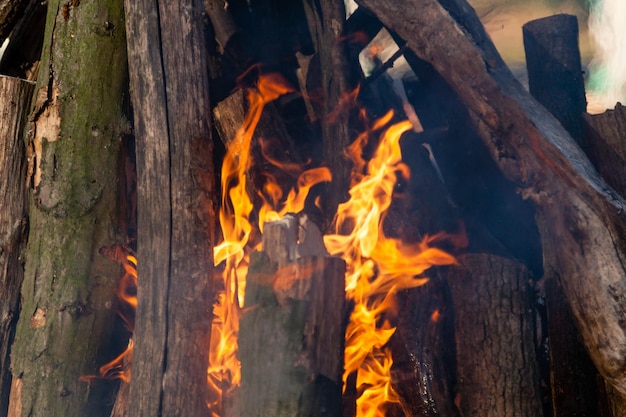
<point x="239" y="238"/>
<point x="119" y="368"/>
<point x="377" y="267"/>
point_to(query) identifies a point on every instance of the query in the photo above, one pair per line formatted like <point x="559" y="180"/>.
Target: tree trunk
<point x="581" y="220"/>
<point x="494" y="328"/>
<point x="15" y="95"/>
<point x="176" y="213"/>
<point x="76" y="131"/>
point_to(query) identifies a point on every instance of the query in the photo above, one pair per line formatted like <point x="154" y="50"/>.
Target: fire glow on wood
<point x="377" y="266"/>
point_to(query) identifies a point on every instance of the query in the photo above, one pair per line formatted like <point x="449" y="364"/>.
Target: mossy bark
<point x="75" y="140"/>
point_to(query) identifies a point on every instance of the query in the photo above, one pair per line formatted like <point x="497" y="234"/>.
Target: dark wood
<point x="581" y="220"/>
<point x="606" y="147"/>
<point x="15" y="96"/>
<point x="555" y="74"/>
<point x="326" y="20"/>
<point x="292" y="334"/>
<point x="573" y="378"/>
<point x="494" y="329"/>
<point x="175" y="204"/>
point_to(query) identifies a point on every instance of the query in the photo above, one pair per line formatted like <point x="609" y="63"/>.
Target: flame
<point x="241" y="232"/>
<point x="377" y="266"/>
<point x="119" y="368"/>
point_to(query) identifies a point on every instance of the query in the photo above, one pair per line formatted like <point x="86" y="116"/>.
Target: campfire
<point x="359" y="215"/>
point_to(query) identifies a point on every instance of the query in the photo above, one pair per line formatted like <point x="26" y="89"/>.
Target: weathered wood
<point x="581" y="220"/>
<point x="176" y="212"/>
<point x="292" y="335"/>
<point x="573" y="378"/>
<point x="494" y="330"/>
<point x="606" y="147"/>
<point x="23" y="52"/>
<point x="555" y="74"/>
<point x="15" y="96"/>
<point x="326" y="20"/>
<point x="74" y="146"/>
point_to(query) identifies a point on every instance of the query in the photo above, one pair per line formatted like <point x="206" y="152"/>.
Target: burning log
<point x="555" y="75"/>
<point x="292" y="334"/>
<point x="175" y="204"/>
<point x="497" y="369"/>
<point x="582" y="221"/>
<point x="15" y="96"/>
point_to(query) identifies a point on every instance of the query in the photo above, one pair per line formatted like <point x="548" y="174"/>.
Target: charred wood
<point x="555" y="74"/>
<point x="605" y="145"/>
<point x="15" y="97"/>
<point x="581" y="220"/>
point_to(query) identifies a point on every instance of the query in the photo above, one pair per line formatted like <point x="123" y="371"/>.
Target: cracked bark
<point x="15" y="95"/>
<point x="77" y="127"/>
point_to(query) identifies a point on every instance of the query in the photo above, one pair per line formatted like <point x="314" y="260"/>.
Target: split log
<point x="292" y="335"/>
<point x="555" y="74"/>
<point x="494" y="329"/>
<point x="176" y="209"/>
<point x="581" y="220"/>
<point x="606" y="147"/>
<point x="74" y="145"/>
<point x="15" y="96"/>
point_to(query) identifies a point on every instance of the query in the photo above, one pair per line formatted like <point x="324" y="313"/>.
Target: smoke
<point x="607" y="79"/>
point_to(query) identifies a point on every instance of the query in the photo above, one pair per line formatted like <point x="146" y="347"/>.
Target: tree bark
<point x="74" y="143"/>
<point x="582" y="221"/>
<point x="291" y="338"/>
<point x="494" y="329"/>
<point x="605" y="145"/>
<point x="176" y="212"/>
<point x="15" y="96"/>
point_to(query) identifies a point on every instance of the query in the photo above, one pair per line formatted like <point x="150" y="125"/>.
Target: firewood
<point x="15" y="96"/>
<point x="581" y="219"/>
<point x="497" y="375"/>
<point x="605" y="145"/>
<point x="292" y="333"/>
<point x="555" y="74"/>
<point x="175" y="205"/>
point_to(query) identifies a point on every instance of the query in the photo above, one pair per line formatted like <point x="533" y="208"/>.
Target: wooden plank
<point x="15" y="96"/>
<point x="166" y="46"/>
<point x="582" y="221"/>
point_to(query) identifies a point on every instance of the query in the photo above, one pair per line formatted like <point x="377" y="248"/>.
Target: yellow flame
<point x="377" y="266"/>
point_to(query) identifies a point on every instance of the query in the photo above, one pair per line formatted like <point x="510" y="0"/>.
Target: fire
<point x="119" y="368"/>
<point x="377" y="266"/>
<point x="241" y="233"/>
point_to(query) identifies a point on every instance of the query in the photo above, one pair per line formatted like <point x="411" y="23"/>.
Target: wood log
<point x="292" y="334"/>
<point x="555" y="74"/>
<point x="573" y="378"/>
<point x="15" y="96"/>
<point x="326" y="19"/>
<point x="175" y="204"/>
<point x="494" y="328"/>
<point x="605" y="145"/>
<point x="74" y="147"/>
<point x="581" y="219"/>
